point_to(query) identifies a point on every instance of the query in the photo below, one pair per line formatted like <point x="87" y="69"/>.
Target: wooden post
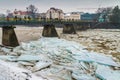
<point x="9" y="37"/>
<point x="49" y="31"/>
<point x="69" y="29"/>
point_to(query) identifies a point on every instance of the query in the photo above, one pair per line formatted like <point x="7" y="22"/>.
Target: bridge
<point x="42" y="22"/>
<point x="9" y="37"/>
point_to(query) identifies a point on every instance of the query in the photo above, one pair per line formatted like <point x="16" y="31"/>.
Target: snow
<point x="10" y="72"/>
<point x="59" y="59"/>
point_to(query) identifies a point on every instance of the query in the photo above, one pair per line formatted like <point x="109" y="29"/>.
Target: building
<point x="18" y="14"/>
<point x="89" y="17"/>
<point x="104" y="14"/>
<point x="42" y="16"/>
<point x="22" y="14"/>
<point x="73" y="16"/>
<point x="104" y="17"/>
<point x="54" y="13"/>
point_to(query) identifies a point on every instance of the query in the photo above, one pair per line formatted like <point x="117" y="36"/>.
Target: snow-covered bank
<point x="59" y="59"/>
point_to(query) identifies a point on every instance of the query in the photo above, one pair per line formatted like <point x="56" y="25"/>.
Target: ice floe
<point x="59" y="59"/>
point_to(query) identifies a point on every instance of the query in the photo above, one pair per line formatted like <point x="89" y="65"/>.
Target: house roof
<point x="55" y="9"/>
<point x="22" y="12"/>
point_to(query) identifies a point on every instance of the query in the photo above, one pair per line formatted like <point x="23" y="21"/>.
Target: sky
<point x="66" y="5"/>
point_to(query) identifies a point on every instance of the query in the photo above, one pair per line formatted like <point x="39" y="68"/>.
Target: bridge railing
<point x="39" y="22"/>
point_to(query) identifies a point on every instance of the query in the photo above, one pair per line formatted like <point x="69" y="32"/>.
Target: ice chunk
<point x="70" y="55"/>
<point x="95" y="57"/>
<point x="40" y="65"/>
<point x="106" y="73"/>
<point x="83" y="77"/>
<point x="26" y="63"/>
<point x="28" y="58"/>
<point x="55" y="74"/>
<point x="6" y="50"/>
<point x="103" y="59"/>
<point x="7" y="57"/>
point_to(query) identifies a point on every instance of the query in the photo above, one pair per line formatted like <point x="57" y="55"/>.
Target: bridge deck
<point x="8" y="23"/>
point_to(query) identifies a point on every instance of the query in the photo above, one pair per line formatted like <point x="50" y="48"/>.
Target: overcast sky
<point x="65" y="5"/>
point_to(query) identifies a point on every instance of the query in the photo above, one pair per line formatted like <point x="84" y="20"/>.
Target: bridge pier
<point x="49" y="31"/>
<point x="9" y="37"/>
<point x="69" y="29"/>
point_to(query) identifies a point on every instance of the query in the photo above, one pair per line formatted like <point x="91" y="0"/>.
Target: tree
<point x="16" y="18"/>
<point x="8" y="12"/>
<point x="32" y="10"/>
<point x="115" y="16"/>
<point x="2" y="16"/>
<point x="103" y="13"/>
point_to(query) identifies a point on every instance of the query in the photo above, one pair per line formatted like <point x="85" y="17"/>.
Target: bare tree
<point x="8" y="11"/>
<point x="32" y="10"/>
<point x="104" y="12"/>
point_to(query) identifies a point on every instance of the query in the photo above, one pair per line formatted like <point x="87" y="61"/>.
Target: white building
<point x="21" y="14"/>
<point x="54" y="13"/>
<point x="73" y="16"/>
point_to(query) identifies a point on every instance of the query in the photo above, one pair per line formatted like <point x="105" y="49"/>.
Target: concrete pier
<point x="49" y="31"/>
<point x="69" y="29"/>
<point x="9" y="37"/>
